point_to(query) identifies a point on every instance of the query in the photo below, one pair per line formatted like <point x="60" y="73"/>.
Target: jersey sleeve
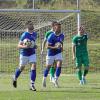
<point x="50" y="38"/>
<point x="86" y="36"/>
<point x="63" y="37"/>
<point x="22" y="37"/>
<point x="46" y="35"/>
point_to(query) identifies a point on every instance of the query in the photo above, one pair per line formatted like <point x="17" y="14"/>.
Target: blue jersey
<point x="52" y="40"/>
<point x="32" y="37"/>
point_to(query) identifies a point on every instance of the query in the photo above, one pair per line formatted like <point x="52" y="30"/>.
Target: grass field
<point x="69" y="88"/>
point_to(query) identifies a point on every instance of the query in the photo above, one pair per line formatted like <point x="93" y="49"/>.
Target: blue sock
<point x="46" y="72"/>
<point x="17" y="73"/>
<point x="33" y="75"/>
<point x="58" y="71"/>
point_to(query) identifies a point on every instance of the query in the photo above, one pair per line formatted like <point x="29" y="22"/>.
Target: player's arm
<point x="35" y="45"/>
<point x="62" y="47"/>
<point x="51" y="47"/>
<point x="74" y="47"/>
<point x="22" y="46"/>
<point x="43" y="45"/>
<point x="73" y="51"/>
<point x="50" y="41"/>
<point x="62" y="42"/>
<point x="44" y="42"/>
<point x="86" y="35"/>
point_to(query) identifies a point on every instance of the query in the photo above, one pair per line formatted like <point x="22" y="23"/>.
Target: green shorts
<point x="82" y="59"/>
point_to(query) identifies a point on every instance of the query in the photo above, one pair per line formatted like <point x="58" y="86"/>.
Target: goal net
<point x="12" y="26"/>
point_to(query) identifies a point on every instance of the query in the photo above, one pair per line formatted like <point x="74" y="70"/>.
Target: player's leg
<point x="23" y="62"/>
<point x="49" y="62"/>
<point x="78" y="61"/>
<point x="58" y="59"/>
<point x="86" y="67"/>
<point x="52" y="72"/>
<point x="79" y="74"/>
<point x="32" y="61"/>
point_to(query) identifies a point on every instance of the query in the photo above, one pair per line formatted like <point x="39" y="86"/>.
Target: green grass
<point x="69" y="88"/>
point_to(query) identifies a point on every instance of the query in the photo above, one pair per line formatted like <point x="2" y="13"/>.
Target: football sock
<point x="52" y="71"/>
<point x="85" y="72"/>
<point x="58" y="71"/>
<point x="33" y="75"/>
<point x="17" y="73"/>
<point x="79" y="74"/>
<point x="46" y="71"/>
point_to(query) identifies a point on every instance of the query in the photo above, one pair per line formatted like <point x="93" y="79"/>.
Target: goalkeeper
<point x="52" y="69"/>
<point x="80" y="54"/>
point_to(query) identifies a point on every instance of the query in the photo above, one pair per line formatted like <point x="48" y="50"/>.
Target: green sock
<point x="79" y="74"/>
<point x="52" y="71"/>
<point x="85" y="72"/>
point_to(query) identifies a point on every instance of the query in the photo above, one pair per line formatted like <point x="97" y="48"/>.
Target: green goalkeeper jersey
<point x="81" y="44"/>
<point x="48" y="33"/>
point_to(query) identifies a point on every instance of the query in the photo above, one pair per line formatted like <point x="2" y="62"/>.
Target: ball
<point x="27" y="42"/>
<point x="58" y="44"/>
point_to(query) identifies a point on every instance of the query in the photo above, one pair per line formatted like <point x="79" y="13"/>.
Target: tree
<point x="29" y="4"/>
<point x="21" y="3"/>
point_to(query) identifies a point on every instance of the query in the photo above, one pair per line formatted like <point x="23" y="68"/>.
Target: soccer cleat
<point x="50" y="79"/>
<point x="56" y="83"/>
<point x="32" y="87"/>
<point x="81" y="82"/>
<point x="44" y="82"/>
<point x="14" y="83"/>
<point x="53" y="80"/>
<point x="84" y="80"/>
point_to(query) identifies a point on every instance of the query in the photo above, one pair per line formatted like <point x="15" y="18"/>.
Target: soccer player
<point x="27" y="55"/>
<point x="54" y="53"/>
<point x="80" y="54"/>
<point x="52" y="69"/>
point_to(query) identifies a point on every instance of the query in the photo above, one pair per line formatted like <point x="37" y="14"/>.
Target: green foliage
<point x="21" y="3"/>
<point x="91" y="21"/>
<point x="69" y="4"/>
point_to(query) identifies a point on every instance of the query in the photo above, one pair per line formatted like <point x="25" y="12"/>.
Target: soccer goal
<point x="12" y="24"/>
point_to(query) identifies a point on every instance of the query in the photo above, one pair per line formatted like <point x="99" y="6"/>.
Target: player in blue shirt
<point x="52" y="69"/>
<point x="27" y="55"/>
<point x="54" y="53"/>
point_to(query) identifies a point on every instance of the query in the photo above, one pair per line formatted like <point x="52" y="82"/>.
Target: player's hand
<point x="24" y="46"/>
<point x="58" y="46"/>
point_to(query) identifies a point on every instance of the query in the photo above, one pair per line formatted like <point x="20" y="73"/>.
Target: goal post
<point x="12" y="25"/>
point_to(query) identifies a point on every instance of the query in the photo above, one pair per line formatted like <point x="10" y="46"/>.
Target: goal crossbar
<point x="39" y="10"/>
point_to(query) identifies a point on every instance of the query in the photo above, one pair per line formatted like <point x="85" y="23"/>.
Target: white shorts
<point x="25" y="60"/>
<point x="50" y="59"/>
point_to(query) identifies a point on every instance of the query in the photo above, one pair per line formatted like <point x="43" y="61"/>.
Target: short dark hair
<point x="58" y="23"/>
<point x="53" y="23"/>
